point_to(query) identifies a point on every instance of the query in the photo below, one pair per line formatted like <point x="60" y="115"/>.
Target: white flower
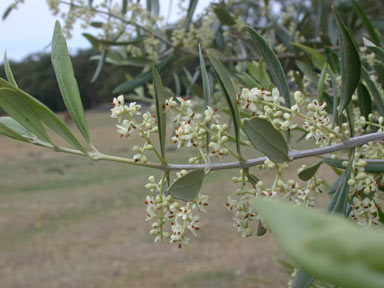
<point x="125" y="128"/>
<point x="133" y="109"/>
<point x="118" y="107"/>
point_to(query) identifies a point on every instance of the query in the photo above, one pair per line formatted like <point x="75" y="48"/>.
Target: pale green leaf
<point x="317" y="59"/>
<point x="308" y="173"/>
<point x="160" y="96"/>
<point x="187" y="187"/>
<point x="265" y="138"/>
<point x="230" y="95"/>
<point x="8" y="71"/>
<point x="67" y="81"/>
<point x="331" y="248"/>
<point x="273" y="64"/>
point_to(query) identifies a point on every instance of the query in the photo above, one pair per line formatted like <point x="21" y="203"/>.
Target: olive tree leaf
<point x="44" y="114"/>
<point x="302" y="279"/>
<point x="273" y="64"/>
<point x="206" y="89"/>
<point x="187" y="187"/>
<point x="339" y="201"/>
<point x="11" y="128"/>
<point x="365" y="101"/>
<point x="376" y="95"/>
<point x="230" y="95"/>
<point x="379" y="52"/>
<point x="141" y="79"/>
<point x="67" y="82"/>
<point x="317" y="59"/>
<point x="191" y="10"/>
<point x="8" y="11"/>
<point x="265" y="138"/>
<point x="320" y="84"/>
<point x="328" y="246"/>
<point x="8" y="71"/>
<point x="308" y="173"/>
<point x="350" y="63"/>
<point x="20" y="110"/>
<point x="100" y="66"/>
<point x="224" y="16"/>
<point x="367" y="24"/>
<point x="160" y="96"/>
<point x="371" y="167"/>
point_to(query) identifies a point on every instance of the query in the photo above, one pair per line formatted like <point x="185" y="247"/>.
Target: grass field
<point x="66" y="221"/>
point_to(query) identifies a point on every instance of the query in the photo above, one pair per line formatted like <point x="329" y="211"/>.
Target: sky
<point x="29" y="28"/>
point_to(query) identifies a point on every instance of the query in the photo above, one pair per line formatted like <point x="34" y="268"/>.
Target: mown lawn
<point x="66" y="221"/>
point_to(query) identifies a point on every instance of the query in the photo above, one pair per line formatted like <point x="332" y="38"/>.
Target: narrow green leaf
<point x="160" y="96"/>
<point x="333" y="60"/>
<point x="11" y="128"/>
<point x="372" y="167"/>
<point x="124" y="5"/>
<point x="320" y="84"/>
<point x="339" y="201"/>
<point x="191" y="10"/>
<point x="377" y="98"/>
<point x="367" y="24"/>
<point x="379" y="52"/>
<point x="8" y="71"/>
<point x="365" y="101"/>
<point x="95" y="42"/>
<point x="97" y="24"/>
<point x="273" y="64"/>
<point x="16" y="107"/>
<point x="224" y="16"/>
<point x="206" y="88"/>
<point x="350" y="63"/>
<point x="67" y="81"/>
<point x="187" y="187"/>
<point x="336" y="184"/>
<point x="45" y="115"/>
<point x="249" y="81"/>
<point x="308" y="173"/>
<point x="327" y="246"/>
<point x="100" y="66"/>
<point x="264" y="78"/>
<point x="265" y="138"/>
<point x="141" y="79"/>
<point x="230" y="95"/>
<point x="317" y="59"/>
<point x="8" y="11"/>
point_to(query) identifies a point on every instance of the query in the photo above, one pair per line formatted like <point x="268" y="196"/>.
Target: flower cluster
<point x="165" y="211"/>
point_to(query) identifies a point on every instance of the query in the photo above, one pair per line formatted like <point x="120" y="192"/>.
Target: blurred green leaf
<point x="160" y="97"/>
<point x="265" y="138"/>
<point x="367" y="24"/>
<point x="191" y="10"/>
<point x="141" y="79"/>
<point x="100" y="66"/>
<point x="187" y="187"/>
<point x="308" y="173"/>
<point x="320" y="84"/>
<point x="302" y="279"/>
<point x="67" y="81"/>
<point x="206" y="89"/>
<point x="273" y="63"/>
<point x="333" y="60"/>
<point x="224" y="16"/>
<point x="8" y="11"/>
<point x="327" y="246"/>
<point x="317" y="59"/>
<point x="350" y="63"/>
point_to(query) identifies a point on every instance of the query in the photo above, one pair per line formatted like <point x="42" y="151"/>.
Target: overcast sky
<point x="29" y="28"/>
